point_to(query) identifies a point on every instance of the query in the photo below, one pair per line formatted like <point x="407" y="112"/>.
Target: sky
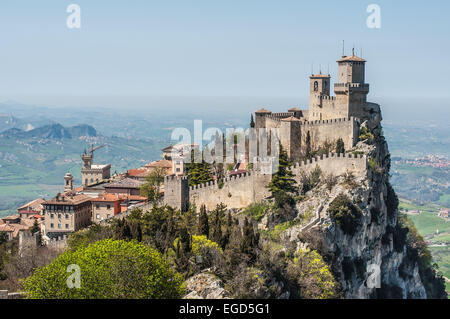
<point x="133" y="50"/>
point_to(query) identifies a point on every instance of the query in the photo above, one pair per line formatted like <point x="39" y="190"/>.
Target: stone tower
<point x="87" y="159"/>
<point x="351" y="89"/>
<point x="319" y="86"/>
<point x="68" y="183"/>
<point x="176" y="192"/>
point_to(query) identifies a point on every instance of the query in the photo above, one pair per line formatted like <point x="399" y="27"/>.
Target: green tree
<point x="109" y="269"/>
<point x="151" y="187"/>
<point x="203" y="224"/>
<point x="35" y="228"/>
<point x="340" y="147"/>
<point x="282" y="183"/>
<point x="198" y="173"/>
<point x="308" y="148"/>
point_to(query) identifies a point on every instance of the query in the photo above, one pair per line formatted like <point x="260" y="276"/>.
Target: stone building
<point x="93" y="173"/>
<point x="328" y="117"/>
<point x="66" y="213"/>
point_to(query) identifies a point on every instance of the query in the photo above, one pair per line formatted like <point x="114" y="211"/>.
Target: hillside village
<point x="337" y="137"/>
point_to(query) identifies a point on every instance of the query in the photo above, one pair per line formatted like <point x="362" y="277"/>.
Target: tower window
<point x="316" y="86"/>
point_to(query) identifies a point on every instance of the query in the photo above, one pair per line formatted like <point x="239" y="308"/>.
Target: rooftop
<point x="320" y="75"/>
<point x="126" y="182"/>
<point x="351" y="58"/>
<point x="34" y="204"/>
<point x="68" y="199"/>
<point x="162" y="163"/>
<point x="263" y="110"/>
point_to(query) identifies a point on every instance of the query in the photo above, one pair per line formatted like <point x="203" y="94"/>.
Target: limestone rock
<point x="205" y="286"/>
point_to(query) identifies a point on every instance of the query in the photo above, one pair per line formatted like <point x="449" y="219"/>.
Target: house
<point x="126" y="186"/>
<point x="178" y="154"/>
<point x="164" y="164"/>
<point x="105" y="206"/>
<point x="138" y="174"/>
<point x="444" y="213"/>
<point x="67" y="213"/>
<point x="109" y="205"/>
<point x="31" y="208"/>
<point x="13" y="225"/>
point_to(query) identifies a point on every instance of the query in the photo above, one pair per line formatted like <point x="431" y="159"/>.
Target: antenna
<point x="328" y="69"/>
<point x="343" y="47"/>
<point x="312" y="68"/>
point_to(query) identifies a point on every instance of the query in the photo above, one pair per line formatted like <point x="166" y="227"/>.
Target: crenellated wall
<point x="244" y="189"/>
<point x="331" y="130"/>
<point x="336" y="164"/>
<point x="237" y="191"/>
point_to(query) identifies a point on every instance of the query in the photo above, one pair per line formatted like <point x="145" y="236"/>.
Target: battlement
<point x="174" y="178"/>
<point x="230" y="179"/>
<point x="331" y="121"/>
<point x="327" y="98"/>
<point x="278" y="116"/>
<point x="334" y="163"/>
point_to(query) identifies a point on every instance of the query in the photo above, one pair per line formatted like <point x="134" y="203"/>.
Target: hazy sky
<point x="216" y="48"/>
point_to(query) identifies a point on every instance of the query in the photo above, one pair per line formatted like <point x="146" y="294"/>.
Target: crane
<point x="91" y="151"/>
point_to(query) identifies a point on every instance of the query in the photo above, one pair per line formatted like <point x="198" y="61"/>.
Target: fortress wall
<point x="331" y="130"/>
<point x="242" y="190"/>
<point x="337" y="164"/>
<point x="237" y="191"/>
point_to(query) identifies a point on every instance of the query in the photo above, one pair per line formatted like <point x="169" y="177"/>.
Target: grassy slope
<point x="427" y="223"/>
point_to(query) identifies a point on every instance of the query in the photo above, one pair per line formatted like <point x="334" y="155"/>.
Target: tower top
<point x="320" y="75"/>
<point x="351" y="58"/>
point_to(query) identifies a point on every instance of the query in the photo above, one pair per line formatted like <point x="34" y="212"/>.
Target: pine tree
<point x="216" y="231"/>
<point x="203" y="224"/>
<point x="340" y="147"/>
<point x="308" y="151"/>
<point x="283" y="179"/>
<point x="198" y="173"/>
<point x="252" y="122"/>
<point x="35" y="227"/>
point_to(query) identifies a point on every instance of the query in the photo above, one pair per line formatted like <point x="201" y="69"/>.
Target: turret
<point x="68" y="183"/>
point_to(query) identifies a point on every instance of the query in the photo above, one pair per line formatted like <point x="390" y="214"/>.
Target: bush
<point x="345" y="214"/>
<point x="109" y="269"/>
<point x="312" y="276"/>
<point x="366" y="135"/>
<point x="256" y="211"/>
<point x="330" y="180"/>
<point x="201" y="243"/>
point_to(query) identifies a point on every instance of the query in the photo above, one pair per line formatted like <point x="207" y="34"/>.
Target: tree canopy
<point x="108" y="269"/>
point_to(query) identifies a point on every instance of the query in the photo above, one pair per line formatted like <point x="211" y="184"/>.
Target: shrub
<point x="366" y="135"/>
<point x="311" y="275"/>
<point x="349" y="179"/>
<point x="109" y="269"/>
<point x="256" y="210"/>
<point x="201" y="243"/>
<point x="345" y="214"/>
<point x="330" y="181"/>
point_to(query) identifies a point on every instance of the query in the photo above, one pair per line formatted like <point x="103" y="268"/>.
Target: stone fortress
<point x="327" y="119"/>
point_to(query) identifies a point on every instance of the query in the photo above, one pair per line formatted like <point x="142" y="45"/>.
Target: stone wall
<point x="237" y="192"/>
<point x="242" y="190"/>
<point x="331" y="130"/>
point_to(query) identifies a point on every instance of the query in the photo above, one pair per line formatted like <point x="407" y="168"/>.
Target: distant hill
<point x="52" y="131"/>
